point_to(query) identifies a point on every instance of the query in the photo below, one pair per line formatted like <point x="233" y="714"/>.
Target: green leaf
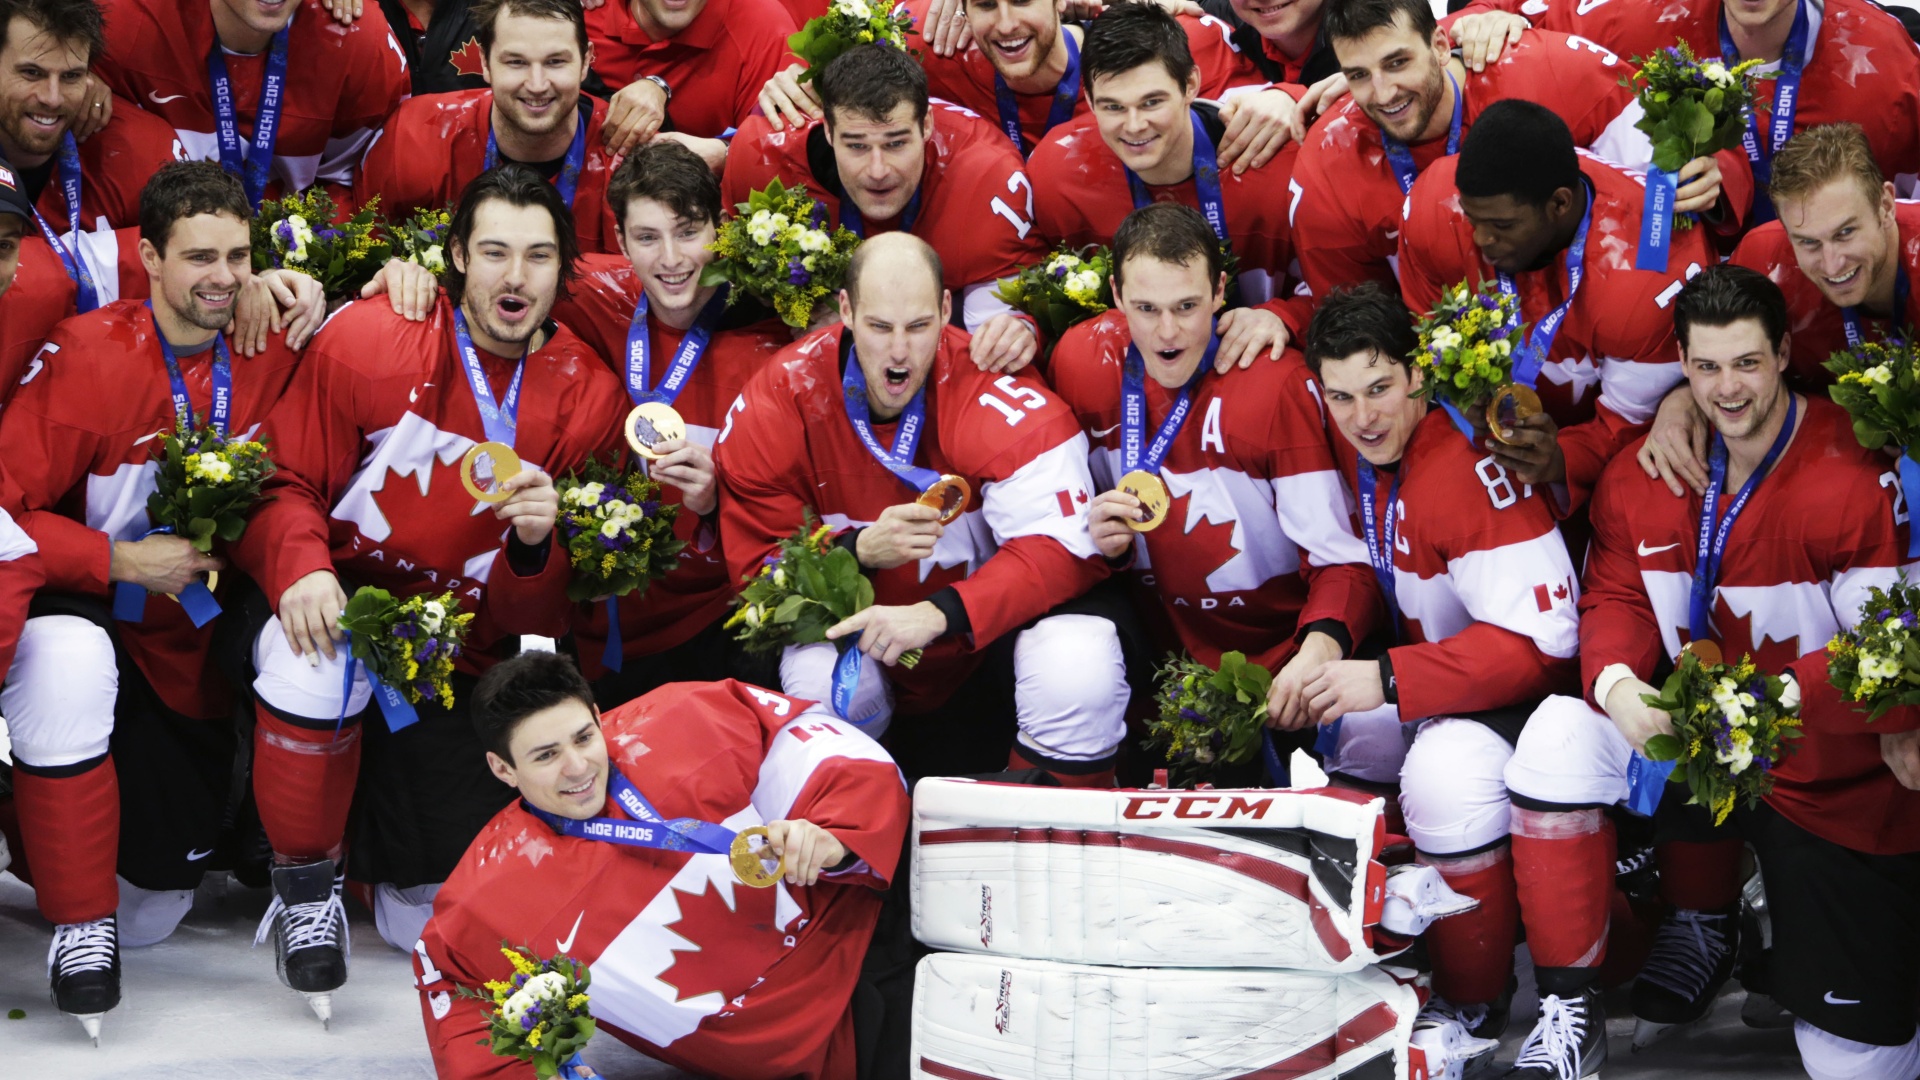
<point x="1664" y="748"/>
<point x="790" y="608"/>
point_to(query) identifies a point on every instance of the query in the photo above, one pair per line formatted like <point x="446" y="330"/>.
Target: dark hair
<point x="515" y="689"/>
<point x="1517" y="148"/>
<point x="1127" y="35"/>
<point x="858" y="264"/>
<point x="485" y="13"/>
<point x="184" y="189"/>
<point x="1364" y="318"/>
<point x="1170" y="233"/>
<point x="1724" y="294"/>
<point x="515" y="185"/>
<point x="1350" y="20"/>
<point x="66" y="20"/>
<point x="871" y="81"/>
<point x="669" y="174"/>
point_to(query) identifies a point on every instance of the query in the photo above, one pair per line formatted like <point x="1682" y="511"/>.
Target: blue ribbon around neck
<point x="255" y="167"/>
<point x="568" y="182"/>
<point x="1066" y="98"/>
<point x="87" y="294"/>
<point x="502" y="420"/>
<point x="1400" y="155"/>
<point x="1786" y="104"/>
<point x="646" y="829"/>
<point x="1206" y="181"/>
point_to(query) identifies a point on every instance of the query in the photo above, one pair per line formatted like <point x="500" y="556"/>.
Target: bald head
<point x="899" y="264"/>
<point x="896" y="319"/>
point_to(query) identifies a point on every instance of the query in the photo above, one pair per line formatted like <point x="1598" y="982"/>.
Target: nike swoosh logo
<point x="158" y="100"/>
<point x="1646" y="551"/>
<point x="1101" y="433"/>
<point x="1831" y="1000"/>
<point x="196" y="856"/>
<point x="567" y="944"/>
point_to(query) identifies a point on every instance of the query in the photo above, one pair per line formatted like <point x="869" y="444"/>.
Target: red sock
<point x="1699" y="877"/>
<point x="1629" y="938"/>
<point x="303" y="783"/>
<point x="1473" y="953"/>
<point x="70" y="828"/>
<point x="1102" y="779"/>
<point x="1563" y="865"/>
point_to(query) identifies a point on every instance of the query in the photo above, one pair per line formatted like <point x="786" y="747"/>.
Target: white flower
<point x="807" y="264"/>
<point x="610" y="529"/>
<point x="1446" y="337"/>
<point x="779" y="222"/>
<point x="761" y="219"/>
<point x="1878" y="667"/>
<point x="1879" y="373"/>
<point x="212" y="468"/>
<point x="755" y="616"/>
<point x="1739" y="753"/>
<point x="432" y="614"/>
<point x="1717" y="72"/>
<point x="434" y="259"/>
<point x="591" y="492"/>
<point x="548" y="987"/>
<point x="856" y="8"/>
<point x="761" y="236"/>
<point x="1503" y="347"/>
<point x="815" y="240"/>
<point x="780" y="576"/>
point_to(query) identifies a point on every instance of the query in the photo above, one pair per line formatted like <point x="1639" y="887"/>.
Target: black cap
<point x="12" y="199"/>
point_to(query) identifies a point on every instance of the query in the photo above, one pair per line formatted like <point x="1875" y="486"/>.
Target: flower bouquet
<point x="1467" y="345"/>
<point x="799" y="594"/>
<point x="619" y="534"/>
<point x="1071" y="287"/>
<point x="540" y="1015"/>
<point x="421" y="239"/>
<point x="1877" y="663"/>
<point x="1731" y="726"/>
<point x="207" y="484"/>
<point x="298" y="233"/>
<point x="1878" y="383"/>
<point x="1208" y="718"/>
<point x="848" y="23"/>
<point x="409" y="646"/>
<point x="778" y="247"/>
<point x="1692" y="109"/>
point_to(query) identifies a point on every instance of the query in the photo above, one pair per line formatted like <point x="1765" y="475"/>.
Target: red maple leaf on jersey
<point x="728" y="949"/>
<point x="1736" y="640"/>
<point x="466" y="59"/>
<point x="1203" y="549"/>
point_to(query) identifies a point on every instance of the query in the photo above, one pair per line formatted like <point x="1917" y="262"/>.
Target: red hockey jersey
<point x="1485" y="586"/>
<point x="1817" y="532"/>
<point x="1261" y="542"/>
<point x="342" y="81"/>
<point x="1863" y="67"/>
<point x="1618" y="334"/>
<point x="432" y="147"/>
<point x="1816" y="324"/>
<point x="42" y="295"/>
<point x="716" y="66"/>
<point x="688" y="964"/>
<point x="680" y="605"/>
<point x="1020" y="549"/>
<point x="21" y="575"/>
<point x="115" y="164"/>
<point x="369" y="440"/>
<point x="976" y="203"/>
<point x="80" y="436"/>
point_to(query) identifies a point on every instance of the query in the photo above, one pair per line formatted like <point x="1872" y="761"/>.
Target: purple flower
<point x="427" y="648"/>
<point x="648" y="509"/>
<point x="330" y="235"/>
<point x="1192" y="716"/>
<point x="1060" y="271"/>
<point x="404" y="628"/>
<point x="797" y="273"/>
<point x="284" y="230"/>
<point x="527" y="1020"/>
<point x="1489" y="303"/>
<point x="1765" y="762"/>
<point x="453" y="650"/>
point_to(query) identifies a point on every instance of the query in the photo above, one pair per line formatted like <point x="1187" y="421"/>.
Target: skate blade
<point x="322" y="1006"/>
<point x="90" y="1021"/>
<point x="1762" y="1012"/>
<point x="1647" y="1032"/>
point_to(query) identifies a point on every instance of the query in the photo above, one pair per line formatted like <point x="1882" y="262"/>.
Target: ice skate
<point x="1692" y="959"/>
<point x="308" y="925"/>
<point x="1568" y="1042"/>
<point x="1459" y="1041"/>
<point x="83" y="966"/>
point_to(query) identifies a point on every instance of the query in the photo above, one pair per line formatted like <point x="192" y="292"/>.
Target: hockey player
<point x="534" y="54"/>
<point x="370" y="440"/>
<point x="1797" y="522"/>
<point x="699" y="64"/>
<point x="670" y="339"/>
<point x="1559" y="229"/>
<point x="80" y="433"/>
<point x="284" y="102"/>
<point x="764" y="991"/>
<point x="1482" y="594"/>
<point x="1412" y="100"/>
<point x="885" y="429"/>
<point x="1260" y="555"/>
<point x="884" y="158"/>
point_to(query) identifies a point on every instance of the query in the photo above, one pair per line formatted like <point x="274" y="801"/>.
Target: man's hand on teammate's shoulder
<point x="1675" y="451"/>
<point x="1483" y="36"/>
<point x="1247" y="335"/>
<point x="1258" y="124"/>
<point x="1005" y="343"/>
<point x="806" y="850"/>
<point x="412" y="289"/>
<point x="786" y="100"/>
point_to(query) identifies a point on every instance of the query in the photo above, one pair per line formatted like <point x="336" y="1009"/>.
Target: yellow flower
<point x="1722" y="807"/>
<point x="520" y="963"/>
<point x="577" y="1001"/>
<point x="533" y="1037"/>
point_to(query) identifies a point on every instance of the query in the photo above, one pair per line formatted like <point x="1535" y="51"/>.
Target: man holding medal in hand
<point x="416" y="457"/>
<point x="715" y="853"/>
<point x="964" y="498"/>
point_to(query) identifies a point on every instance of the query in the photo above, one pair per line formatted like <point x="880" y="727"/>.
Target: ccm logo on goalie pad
<point x="1195" y="807"/>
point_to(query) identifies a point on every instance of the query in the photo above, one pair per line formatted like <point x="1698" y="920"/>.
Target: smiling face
<point x="1397" y="78"/>
<point x="1844" y="239"/>
<point x="43" y="82"/>
<point x="1016" y="35"/>
<point x="1143" y="115"/>
<point x="512" y="267"/>
<point x="208" y="258"/>
<point x="535" y="68"/>
<point x="880" y="158"/>
<point x="559" y="761"/>
<point x="1278" y="20"/>
<point x="896" y="326"/>
<point x="1371" y="399"/>
<point x="668" y="252"/>
<point x="1169" y="308"/>
<point x="1735" y="376"/>
<point x="260" y="16"/>
<point x="662" y="19"/>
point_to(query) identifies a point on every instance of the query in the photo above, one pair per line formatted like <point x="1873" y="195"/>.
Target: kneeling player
<point x="689" y="963"/>
<point x="868" y="423"/>
<point x="1482" y="593"/>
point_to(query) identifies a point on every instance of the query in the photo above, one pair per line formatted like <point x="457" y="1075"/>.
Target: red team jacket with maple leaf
<point x="1346" y="206"/>
<point x="976" y="203"/>
<point x="689" y="965"/>
<point x="1817" y="327"/>
<point x="1260" y="543"/>
<point x="433" y="146"/>
<point x="369" y="439"/>
<point x="1817" y="532"/>
<point x="1485" y="587"/>
<point x="80" y="437"/>
<point x="342" y="81"/>
<point x="1863" y="68"/>
<point x="1618" y="334"/>
<point x="716" y="66"/>
<point x="1020" y="549"/>
<point x="680" y="605"/>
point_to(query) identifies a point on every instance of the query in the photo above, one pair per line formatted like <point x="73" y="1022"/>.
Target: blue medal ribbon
<point x="394" y="707"/>
<point x="1382" y="533"/>
<point x="1066" y="97"/>
<point x="130" y="600"/>
<point x="1850" y="317"/>
<point x="500" y="421"/>
<point x="1656" y="221"/>
<point x="1400" y="156"/>
<point x="1206" y="181"/>
<point x="87" y="293"/>
<point x="254" y="167"/>
<point x="646" y="829"/>
<point x="1786" y="102"/>
<point x="568" y="182"/>
<point x="850" y="215"/>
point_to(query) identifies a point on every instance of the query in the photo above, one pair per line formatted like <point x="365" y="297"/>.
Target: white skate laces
<point x="1687" y="953"/>
<point x="78" y="947"/>
<point x="314" y="924"/>
<point x="1554" y="1044"/>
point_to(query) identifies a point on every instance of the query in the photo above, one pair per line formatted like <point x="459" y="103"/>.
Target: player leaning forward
<point x="857" y="421"/>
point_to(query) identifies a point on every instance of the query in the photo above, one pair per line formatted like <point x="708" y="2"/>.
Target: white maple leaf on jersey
<point x="1580" y="372"/>
<point x="1215" y="496"/>
<point x="408" y="449"/>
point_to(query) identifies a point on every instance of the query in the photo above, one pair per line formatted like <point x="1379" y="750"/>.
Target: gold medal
<point x="1511" y="404"/>
<point x="1704" y="651"/>
<point x="213" y="582"/>
<point x="1153" y="497"/>
<point x="650" y="424"/>
<point x="948" y="495"/>
<point x="485" y="468"/>
<point x="750" y="864"/>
